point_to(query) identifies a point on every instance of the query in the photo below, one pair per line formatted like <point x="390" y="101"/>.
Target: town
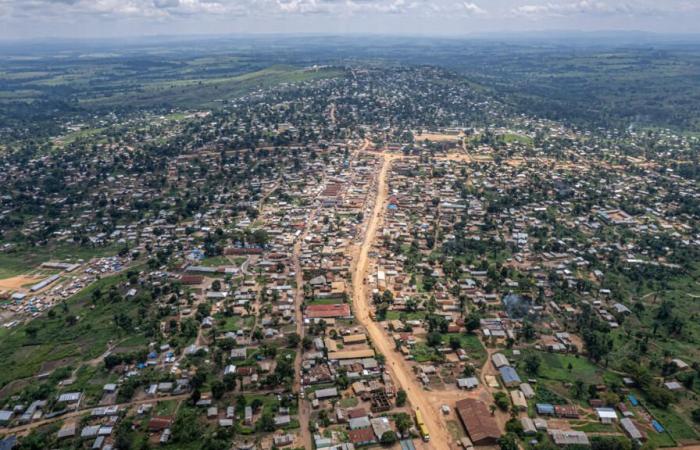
<point x="375" y="257"/>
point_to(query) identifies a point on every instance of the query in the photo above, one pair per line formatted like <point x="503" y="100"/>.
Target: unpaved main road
<point x="400" y="371"/>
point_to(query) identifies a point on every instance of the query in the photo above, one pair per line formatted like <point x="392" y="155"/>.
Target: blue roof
<point x="8" y="443"/>
<point x="407" y="444"/>
<point x="545" y="408"/>
<point x="509" y="375"/>
<point x="633" y="400"/>
<point x="657" y="426"/>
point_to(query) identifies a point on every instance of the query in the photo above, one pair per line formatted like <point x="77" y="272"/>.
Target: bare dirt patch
<point x="18" y="281"/>
<point x="50" y="366"/>
<point x="437" y="137"/>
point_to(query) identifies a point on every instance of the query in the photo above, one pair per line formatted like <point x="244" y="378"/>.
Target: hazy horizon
<point x="31" y="19"/>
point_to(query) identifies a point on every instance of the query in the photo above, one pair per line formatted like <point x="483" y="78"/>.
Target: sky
<point x="23" y="19"/>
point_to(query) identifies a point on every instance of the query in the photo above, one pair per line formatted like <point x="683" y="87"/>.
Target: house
<point x="527" y="390"/>
<point x="356" y="423"/>
<point x="499" y="360"/>
<point x="566" y="411"/>
<point x="468" y="383"/>
<point x="323" y="394"/>
<point x="545" y="409"/>
<point x="69" y="397"/>
<point x="518" y="399"/>
<point x="528" y="425"/>
<point x="569" y="437"/>
<point x="606" y="415"/>
<point x="380" y="425"/>
<point x="631" y="429"/>
<point x="362" y="436"/>
<point x="159" y="423"/>
<point x="283" y="440"/>
<point x="5" y="417"/>
<point x="509" y="376"/>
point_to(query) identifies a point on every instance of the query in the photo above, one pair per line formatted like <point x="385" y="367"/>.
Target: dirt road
<point x="304" y="409"/>
<point x="400" y="371"/>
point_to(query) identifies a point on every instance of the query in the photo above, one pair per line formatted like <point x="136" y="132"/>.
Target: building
<point x="545" y="409"/>
<point x="478" y="422"/>
<point x="509" y="377"/>
<point x="606" y="415"/>
<point x="499" y="360"/>
<point x="363" y="436"/>
<point x="323" y="394"/>
<point x="337" y="310"/>
<point x="569" y="437"/>
<point x="631" y="429"/>
<point x="518" y="400"/>
<point x="468" y="383"/>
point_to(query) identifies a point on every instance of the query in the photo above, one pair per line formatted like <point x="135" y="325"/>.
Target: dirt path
<point x="24" y="429"/>
<point x="400" y="371"/>
<point x="332" y="114"/>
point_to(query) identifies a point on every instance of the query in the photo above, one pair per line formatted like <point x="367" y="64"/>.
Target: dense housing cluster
<point x="376" y="256"/>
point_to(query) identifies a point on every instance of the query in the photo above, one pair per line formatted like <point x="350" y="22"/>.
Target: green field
<point x="26" y="353"/>
<point x="27" y="259"/>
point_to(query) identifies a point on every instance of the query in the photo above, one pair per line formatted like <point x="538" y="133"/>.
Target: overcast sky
<point x="114" y="18"/>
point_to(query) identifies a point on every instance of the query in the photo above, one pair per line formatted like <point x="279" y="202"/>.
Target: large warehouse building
<point x="477" y="420"/>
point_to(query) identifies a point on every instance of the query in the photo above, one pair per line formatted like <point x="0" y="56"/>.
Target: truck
<point x="422" y="428"/>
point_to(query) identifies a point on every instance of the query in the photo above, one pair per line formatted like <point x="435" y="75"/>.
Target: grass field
<point x="201" y="92"/>
<point x="25" y="352"/>
<point x="674" y="423"/>
<point x="27" y="259"/>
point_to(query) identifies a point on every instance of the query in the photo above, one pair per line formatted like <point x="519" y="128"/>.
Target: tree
<point x="388" y="438"/>
<point x="508" y="441"/>
<point x="514" y="426"/>
<point x="401" y="398"/>
<point x="578" y="389"/>
<point x="501" y="400"/>
<point x="403" y="422"/>
<point x="293" y="339"/>
<point x="256" y="404"/>
<point x="434" y="339"/>
<point x="216" y="286"/>
<point x="265" y="423"/>
<point x="217" y="389"/>
<point x="532" y="363"/>
<point x="31" y="332"/>
<point x="196" y="395"/>
<point x="528" y="331"/>
<point x="455" y="343"/>
<point x="307" y="342"/>
<point x="696" y="415"/>
<point x="473" y="322"/>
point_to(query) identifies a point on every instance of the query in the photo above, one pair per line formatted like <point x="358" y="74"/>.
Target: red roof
<point x="477" y="419"/>
<point x="357" y="412"/>
<point x="323" y="311"/>
<point x="191" y="279"/>
<point x="159" y="423"/>
<point x="361" y="436"/>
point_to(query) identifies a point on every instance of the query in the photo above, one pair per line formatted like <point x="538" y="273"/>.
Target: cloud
<point x="472" y="8"/>
<point x="599" y="7"/>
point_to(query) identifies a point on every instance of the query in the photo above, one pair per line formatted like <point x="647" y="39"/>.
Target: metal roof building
<point x="477" y="420"/>
<point x="509" y="376"/>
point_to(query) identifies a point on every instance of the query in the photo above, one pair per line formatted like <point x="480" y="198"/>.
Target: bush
<point x="501" y="400"/>
<point x="388" y="438"/>
<point x="401" y="398"/>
